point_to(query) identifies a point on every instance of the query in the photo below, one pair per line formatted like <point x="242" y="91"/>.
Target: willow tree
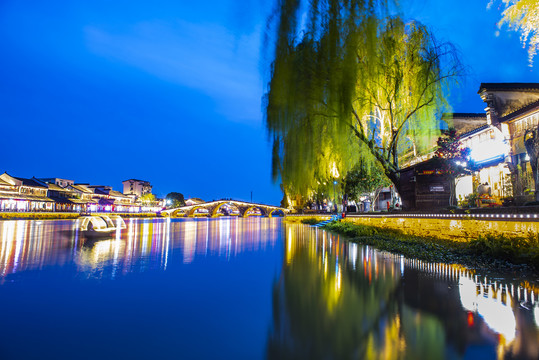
<point x="351" y="83"/>
<point x="523" y="16"/>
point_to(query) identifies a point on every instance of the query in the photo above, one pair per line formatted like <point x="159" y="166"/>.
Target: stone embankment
<point x="450" y="226"/>
<point x="489" y="242"/>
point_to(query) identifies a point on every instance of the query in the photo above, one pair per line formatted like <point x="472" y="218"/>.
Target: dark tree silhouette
<point x="531" y="142"/>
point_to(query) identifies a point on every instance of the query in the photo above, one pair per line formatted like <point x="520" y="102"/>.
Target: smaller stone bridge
<point x="225" y="207"/>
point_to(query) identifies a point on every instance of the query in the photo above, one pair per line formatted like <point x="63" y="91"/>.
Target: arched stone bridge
<point x="214" y="208"/>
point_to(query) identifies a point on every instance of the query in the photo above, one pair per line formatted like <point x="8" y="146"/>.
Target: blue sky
<point x="170" y="91"/>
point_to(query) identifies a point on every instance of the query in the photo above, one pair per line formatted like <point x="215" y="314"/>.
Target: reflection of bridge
<point x="216" y="208"/>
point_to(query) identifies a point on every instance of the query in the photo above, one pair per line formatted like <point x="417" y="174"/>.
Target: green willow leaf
<point x="351" y="85"/>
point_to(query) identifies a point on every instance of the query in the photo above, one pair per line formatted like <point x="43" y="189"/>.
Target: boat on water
<point x="95" y="226"/>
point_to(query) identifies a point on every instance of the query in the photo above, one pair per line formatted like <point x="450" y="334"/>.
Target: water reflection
<point x="331" y="298"/>
<point x="336" y="299"/>
<point x="31" y="245"/>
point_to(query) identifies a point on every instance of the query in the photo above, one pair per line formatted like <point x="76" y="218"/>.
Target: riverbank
<point x="488" y="251"/>
<point x="496" y="252"/>
<point x="63" y="216"/>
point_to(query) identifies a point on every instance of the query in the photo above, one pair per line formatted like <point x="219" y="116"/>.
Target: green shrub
<point x="518" y="250"/>
<point x="310" y="221"/>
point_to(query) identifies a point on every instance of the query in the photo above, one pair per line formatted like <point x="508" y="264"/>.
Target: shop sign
<point x="436" y="188"/>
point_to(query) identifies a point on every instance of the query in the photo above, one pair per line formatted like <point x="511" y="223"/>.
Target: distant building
<point x="56" y="194"/>
<point x="194" y="201"/>
<point x="22" y="194"/>
<point x="110" y="200"/>
<point x="57" y="181"/>
<point x="66" y="199"/>
<point x="136" y="187"/>
<point x="387" y="198"/>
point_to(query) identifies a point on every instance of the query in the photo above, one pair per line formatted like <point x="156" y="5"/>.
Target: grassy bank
<point x="61" y="216"/>
<point x="488" y="251"/>
<point x="309" y="220"/>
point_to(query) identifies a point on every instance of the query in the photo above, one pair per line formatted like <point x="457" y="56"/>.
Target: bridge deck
<point x="214" y="206"/>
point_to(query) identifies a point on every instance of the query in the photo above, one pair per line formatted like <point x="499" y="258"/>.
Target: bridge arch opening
<point x="226" y="209"/>
<point x="197" y="211"/>
<point x="254" y="211"/>
<point x="276" y="213"/>
<point x="177" y="213"/>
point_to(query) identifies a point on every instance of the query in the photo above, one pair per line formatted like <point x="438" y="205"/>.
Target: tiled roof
<point x="81" y="201"/>
<point x="508" y="86"/>
<point x="116" y="193"/>
<point x="55" y="187"/>
<point x="466" y="123"/>
<point x="474" y="131"/>
<point x="82" y="188"/>
<point x="101" y="191"/>
<point x="522" y="110"/>
<point x="53" y="179"/>
<point x="30" y="182"/>
<point x="71" y="201"/>
<point x="144" y="181"/>
<point x="463" y="115"/>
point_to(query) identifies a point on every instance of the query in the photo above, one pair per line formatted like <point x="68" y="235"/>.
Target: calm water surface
<point x="251" y="288"/>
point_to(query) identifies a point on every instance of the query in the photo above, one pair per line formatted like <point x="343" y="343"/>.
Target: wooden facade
<point x="424" y="187"/>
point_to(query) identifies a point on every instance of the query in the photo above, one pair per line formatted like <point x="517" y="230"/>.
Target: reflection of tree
<point x="326" y="309"/>
<point x="339" y="300"/>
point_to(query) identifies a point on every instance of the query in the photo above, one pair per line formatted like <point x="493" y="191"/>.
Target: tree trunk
<point x="531" y="143"/>
<point x="406" y="197"/>
<point x="536" y="179"/>
<point x="452" y="191"/>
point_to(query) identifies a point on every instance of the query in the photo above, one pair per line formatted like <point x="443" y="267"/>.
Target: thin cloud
<point x="204" y="57"/>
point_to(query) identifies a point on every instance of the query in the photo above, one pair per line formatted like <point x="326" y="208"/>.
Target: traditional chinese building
<point x="137" y="187"/>
<point x="63" y="195"/>
<point x="85" y="196"/>
<point x="22" y="194"/>
<point x="513" y="109"/>
<point x="57" y="181"/>
<point x="498" y="155"/>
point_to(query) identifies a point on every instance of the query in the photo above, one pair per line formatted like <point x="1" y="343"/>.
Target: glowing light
<point x="490" y="150"/>
<point x="470" y="319"/>
<point x="497" y="315"/>
<point x="334" y="172"/>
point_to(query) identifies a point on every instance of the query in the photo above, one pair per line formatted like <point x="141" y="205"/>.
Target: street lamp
<point x="334" y="197"/>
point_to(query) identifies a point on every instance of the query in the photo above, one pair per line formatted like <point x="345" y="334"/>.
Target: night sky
<point x="101" y="91"/>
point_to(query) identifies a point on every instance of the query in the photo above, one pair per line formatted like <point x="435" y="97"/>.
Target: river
<point x="252" y="288"/>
